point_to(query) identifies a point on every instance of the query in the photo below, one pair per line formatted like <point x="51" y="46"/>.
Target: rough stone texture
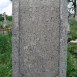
<point x="15" y="38"/>
<point x="39" y="38"/>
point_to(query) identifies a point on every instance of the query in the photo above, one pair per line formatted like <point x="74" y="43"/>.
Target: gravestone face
<point x="39" y="38"/>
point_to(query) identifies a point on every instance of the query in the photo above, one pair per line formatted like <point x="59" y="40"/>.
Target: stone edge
<point x="63" y="38"/>
<point x="15" y="40"/>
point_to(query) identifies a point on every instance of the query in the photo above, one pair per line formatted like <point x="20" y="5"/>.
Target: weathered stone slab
<point x="39" y="38"/>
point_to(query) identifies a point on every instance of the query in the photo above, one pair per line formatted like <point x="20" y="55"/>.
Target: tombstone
<point x="4" y="22"/>
<point x="39" y="38"/>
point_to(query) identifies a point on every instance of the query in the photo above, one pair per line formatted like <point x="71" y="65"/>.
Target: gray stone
<point x="4" y="22"/>
<point x="39" y="38"/>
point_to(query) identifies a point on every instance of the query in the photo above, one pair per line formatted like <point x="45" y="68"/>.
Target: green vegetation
<point x="73" y="29"/>
<point x="72" y="60"/>
<point x="9" y="25"/>
<point x="5" y="55"/>
<point x="1" y="24"/>
<point x="72" y="52"/>
<point x="9" y="18"/>
<point x="1" y="18"/>
<point x="6" y="52"/>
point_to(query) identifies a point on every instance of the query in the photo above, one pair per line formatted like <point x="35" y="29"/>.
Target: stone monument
<point x="39" y="38"/>
<point x="4" y="22"/>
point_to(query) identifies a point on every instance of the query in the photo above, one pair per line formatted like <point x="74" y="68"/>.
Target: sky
<point x="6" y="6"/>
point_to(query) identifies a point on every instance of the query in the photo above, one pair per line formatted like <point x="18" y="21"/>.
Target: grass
<point x="72" y="61"/>
<point x="5" y="54"/>
<point x="73" y="27"/>
<point x="72" y="52"/>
